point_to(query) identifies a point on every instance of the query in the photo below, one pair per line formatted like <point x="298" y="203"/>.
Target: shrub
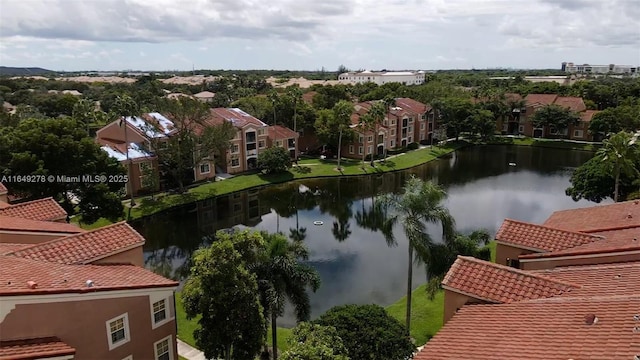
<point x="413" y="146"/>
<point x="274" y="159"/>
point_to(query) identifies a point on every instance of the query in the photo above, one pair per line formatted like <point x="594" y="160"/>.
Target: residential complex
<point x="383" y="77"/>
<point x="566" y="289"/>
<point x="69" y="293"/>
<point x="405" y="122"/>
<point x="137" y="135"/>
<point x="572" y="68"/>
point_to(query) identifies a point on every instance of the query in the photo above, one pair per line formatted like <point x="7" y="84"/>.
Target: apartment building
<point x="405" y="122"/>
<point x="572" y="68"/>
<point x="67" y="293"/>
<point x="565" y="289"/>
<point x="383" y="77"/>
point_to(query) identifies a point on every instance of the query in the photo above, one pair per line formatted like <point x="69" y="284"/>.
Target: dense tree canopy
<point x="315" y="342"/>
<point x="555" y="117"/>
<point x="274" y="159"/>
<point x="369" y="332"/>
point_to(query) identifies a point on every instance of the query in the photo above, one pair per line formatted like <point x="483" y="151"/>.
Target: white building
<point x="572" y="68"/>
<point x="383" y="77"/>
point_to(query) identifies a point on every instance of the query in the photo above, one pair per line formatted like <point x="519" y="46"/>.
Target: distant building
<point x="572" y="68"/>
<point x="382" y="77"/>
<point x="205" y="96"/>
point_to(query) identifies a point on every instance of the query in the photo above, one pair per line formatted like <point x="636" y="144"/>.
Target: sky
<point x="167" y="35"/>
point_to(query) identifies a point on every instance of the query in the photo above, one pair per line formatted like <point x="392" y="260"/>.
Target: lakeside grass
<point x="546" y="143"/>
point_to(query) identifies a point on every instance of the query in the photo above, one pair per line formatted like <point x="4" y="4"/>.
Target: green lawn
<point x="549" y="143"/>
<point x="426" y="315"/>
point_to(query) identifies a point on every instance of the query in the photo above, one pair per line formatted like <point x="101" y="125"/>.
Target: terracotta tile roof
<point x="543" y="99"/>
<point x="501" y="284"/>
<point x="9" y="247"/>
<point x="38" y="348"/>
<point x="53" y="278"/>
<point x="597" y="218"/>
<point x="624" y="240"/>
<point x="236" y="116"/>
<point x="86" y="247"/>
<point x="4" y="205"/>
<point x="597" y="280"/>
<point x="544" y="329"/>
<point x="19" y="224"/>
<point x="541" y="238"/>
<point x="571" y="102"/>
<point x="3" y="189"/>
<point x="46" y="209"/>
<point x="588" y="115"/>
<point x="412" y="105"/>
<point x="278" y="132"/>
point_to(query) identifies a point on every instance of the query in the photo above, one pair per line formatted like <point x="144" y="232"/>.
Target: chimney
<point x="591" y="319"/>
<point x="32" y="284"/>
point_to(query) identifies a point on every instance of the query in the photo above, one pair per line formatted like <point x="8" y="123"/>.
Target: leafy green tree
<point x="482" y="122"/>
<point x="454" y="113"/>
<point x="60" y="147"/>
<point x="613" y="120"/>
<point x="223" y="291"/>
<point x="258" y="106"/>
<point x="283" y="275"/>
<point x="342" y="115"/>
<point x="150" y="179"/>
<point x="274" y="159"/>
<point x="315" y="342"/>
<point x="555" y="117"/>
<point x="369" y="332"/>
<point x="619" y="156"/>
<point x="420" y="203"/>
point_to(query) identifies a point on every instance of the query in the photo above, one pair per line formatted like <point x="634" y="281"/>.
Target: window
<point x="261" y="144"/>
<point x="521" y="129"/>
<point x="260" y="132"/>
<point x="577" y="133"/>
<point x="393" y="132"/>
<point x="163" y="349"/>
<point x="422" y="126"/>
<point x="361" y="139"/>
<point x="159" y="311"/>
<point x="369" y="138"/>
<point x="118" y="331"/>
<point x="393" y="143"/>
<point x="370" y="149"/>
<point x="514" y="263"/>
<point x="144" y="166"/>
<point x="237" y="207"/>
<point x="278" y="143"/>
<point x="360" y="150"/>
<point x="205" y="168"/>
<point x="235" y="162"/>
<point x="421" y="136"/>
<point x="350" y="149"/>
<point x="393" y="122"/>
<point x="235" y="148"/>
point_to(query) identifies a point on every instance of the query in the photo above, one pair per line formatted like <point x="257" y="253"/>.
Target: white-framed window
<point x="369" y="138"/>
<point x="369" y="149"/>
<point x="238" y="135"/>
<point x="409" y="139"/>
<point x="350" y="149"/>
<point x="360" y="139"/>
<point x="577" y="133"/>
<point x="260" y="132"/>
<point x="261" y="144"/>
<point x="235" y="148"/>
<point x="521" y="129"/>
<point x="393" y="122"/>
<point x="393" y="132"/>
<point x="118" y="331"/>
<point x="421" y="126"/>
<point x="235" y="162"/>
<point x="278" y="143"/>
<point x="205" y="168"/>
<point x="163" y="349"/>
<point x="159" y="310"/>
<point x="421" y="136"/>
<point x="393" y="143"/>
<point x="360" y="150"/>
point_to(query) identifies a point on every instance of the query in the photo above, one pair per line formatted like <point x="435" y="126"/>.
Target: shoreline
<point x="317" y="169"/>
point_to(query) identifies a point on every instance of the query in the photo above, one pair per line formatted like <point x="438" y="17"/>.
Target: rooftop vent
<point x="89" y="283"/>
<point x="591" y="319"/>
<point x="32" y="284"/>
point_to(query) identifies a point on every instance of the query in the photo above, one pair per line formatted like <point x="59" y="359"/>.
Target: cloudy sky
<point x="310" y="34"/>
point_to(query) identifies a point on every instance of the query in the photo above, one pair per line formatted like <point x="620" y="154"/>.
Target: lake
<point x="485" y="185"/>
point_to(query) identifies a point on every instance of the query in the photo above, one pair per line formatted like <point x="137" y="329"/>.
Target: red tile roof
<point x="412" y="105"/>
<point x="544" y="329"/>
<point x="501" y="284"/>
<point x="588" y="115"/>
<point x="86" y="247"/>
<point x="3" y="189"/>
<point x="543" y="99"/>
<point x="46" y="209"/>
<point x="278" y="132"/>
<point x="9" y="247"/>
<point x="3" y="204"/>
<point x="236" y="116"/>
<point x="540" y="238"/>
<point x="597" y="218"/>
<point x="38" y="348"/>
<point x="571" y="102"/>
<point x="19" y="224"/>
<point x="623" y="240"/>
<point x="53" y="278"/>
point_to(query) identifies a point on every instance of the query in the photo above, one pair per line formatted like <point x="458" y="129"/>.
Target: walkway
<point x="186" y="351"/>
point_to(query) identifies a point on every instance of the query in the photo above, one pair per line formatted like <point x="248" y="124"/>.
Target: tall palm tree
<point x="125" y="107"/>
<point x="274" y="98"/>
<point x="282" y="275"/>
<point x="419" y="204"/>
<point x="365" y="124"/>
<point x="378" y="113"/>
<point x="619" y="154"/>
<point x="296" y="94"/>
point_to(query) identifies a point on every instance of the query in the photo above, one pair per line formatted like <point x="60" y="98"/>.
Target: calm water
<point x="356" y="264"/>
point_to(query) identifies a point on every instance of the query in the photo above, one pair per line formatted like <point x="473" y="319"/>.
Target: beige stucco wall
<point x="552" y="263"/>
<point x="504" y="251"/>
<point x="28" y="237"/>
<point x="132" y="256"/>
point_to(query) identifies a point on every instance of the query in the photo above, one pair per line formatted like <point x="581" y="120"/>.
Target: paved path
<point x="188" y="352"/>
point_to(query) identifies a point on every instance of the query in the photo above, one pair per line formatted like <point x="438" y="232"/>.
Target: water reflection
<point x="351" y="250"/>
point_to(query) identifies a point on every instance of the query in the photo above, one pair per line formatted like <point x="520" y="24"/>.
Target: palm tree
<point x="274" y="98"/>
<point x="366" y="122"/>
<point x="296" y="94"/>
<point x="282" y="275"/>
<point x="420" y="203"/>
<point x="619" y="154"/>
<point x="342" y="115"/>
<point x="378" y="112"/>
<point x="125" y="107"/>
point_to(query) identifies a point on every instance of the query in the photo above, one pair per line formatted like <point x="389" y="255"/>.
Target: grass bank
<point x="546" y="143"/>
